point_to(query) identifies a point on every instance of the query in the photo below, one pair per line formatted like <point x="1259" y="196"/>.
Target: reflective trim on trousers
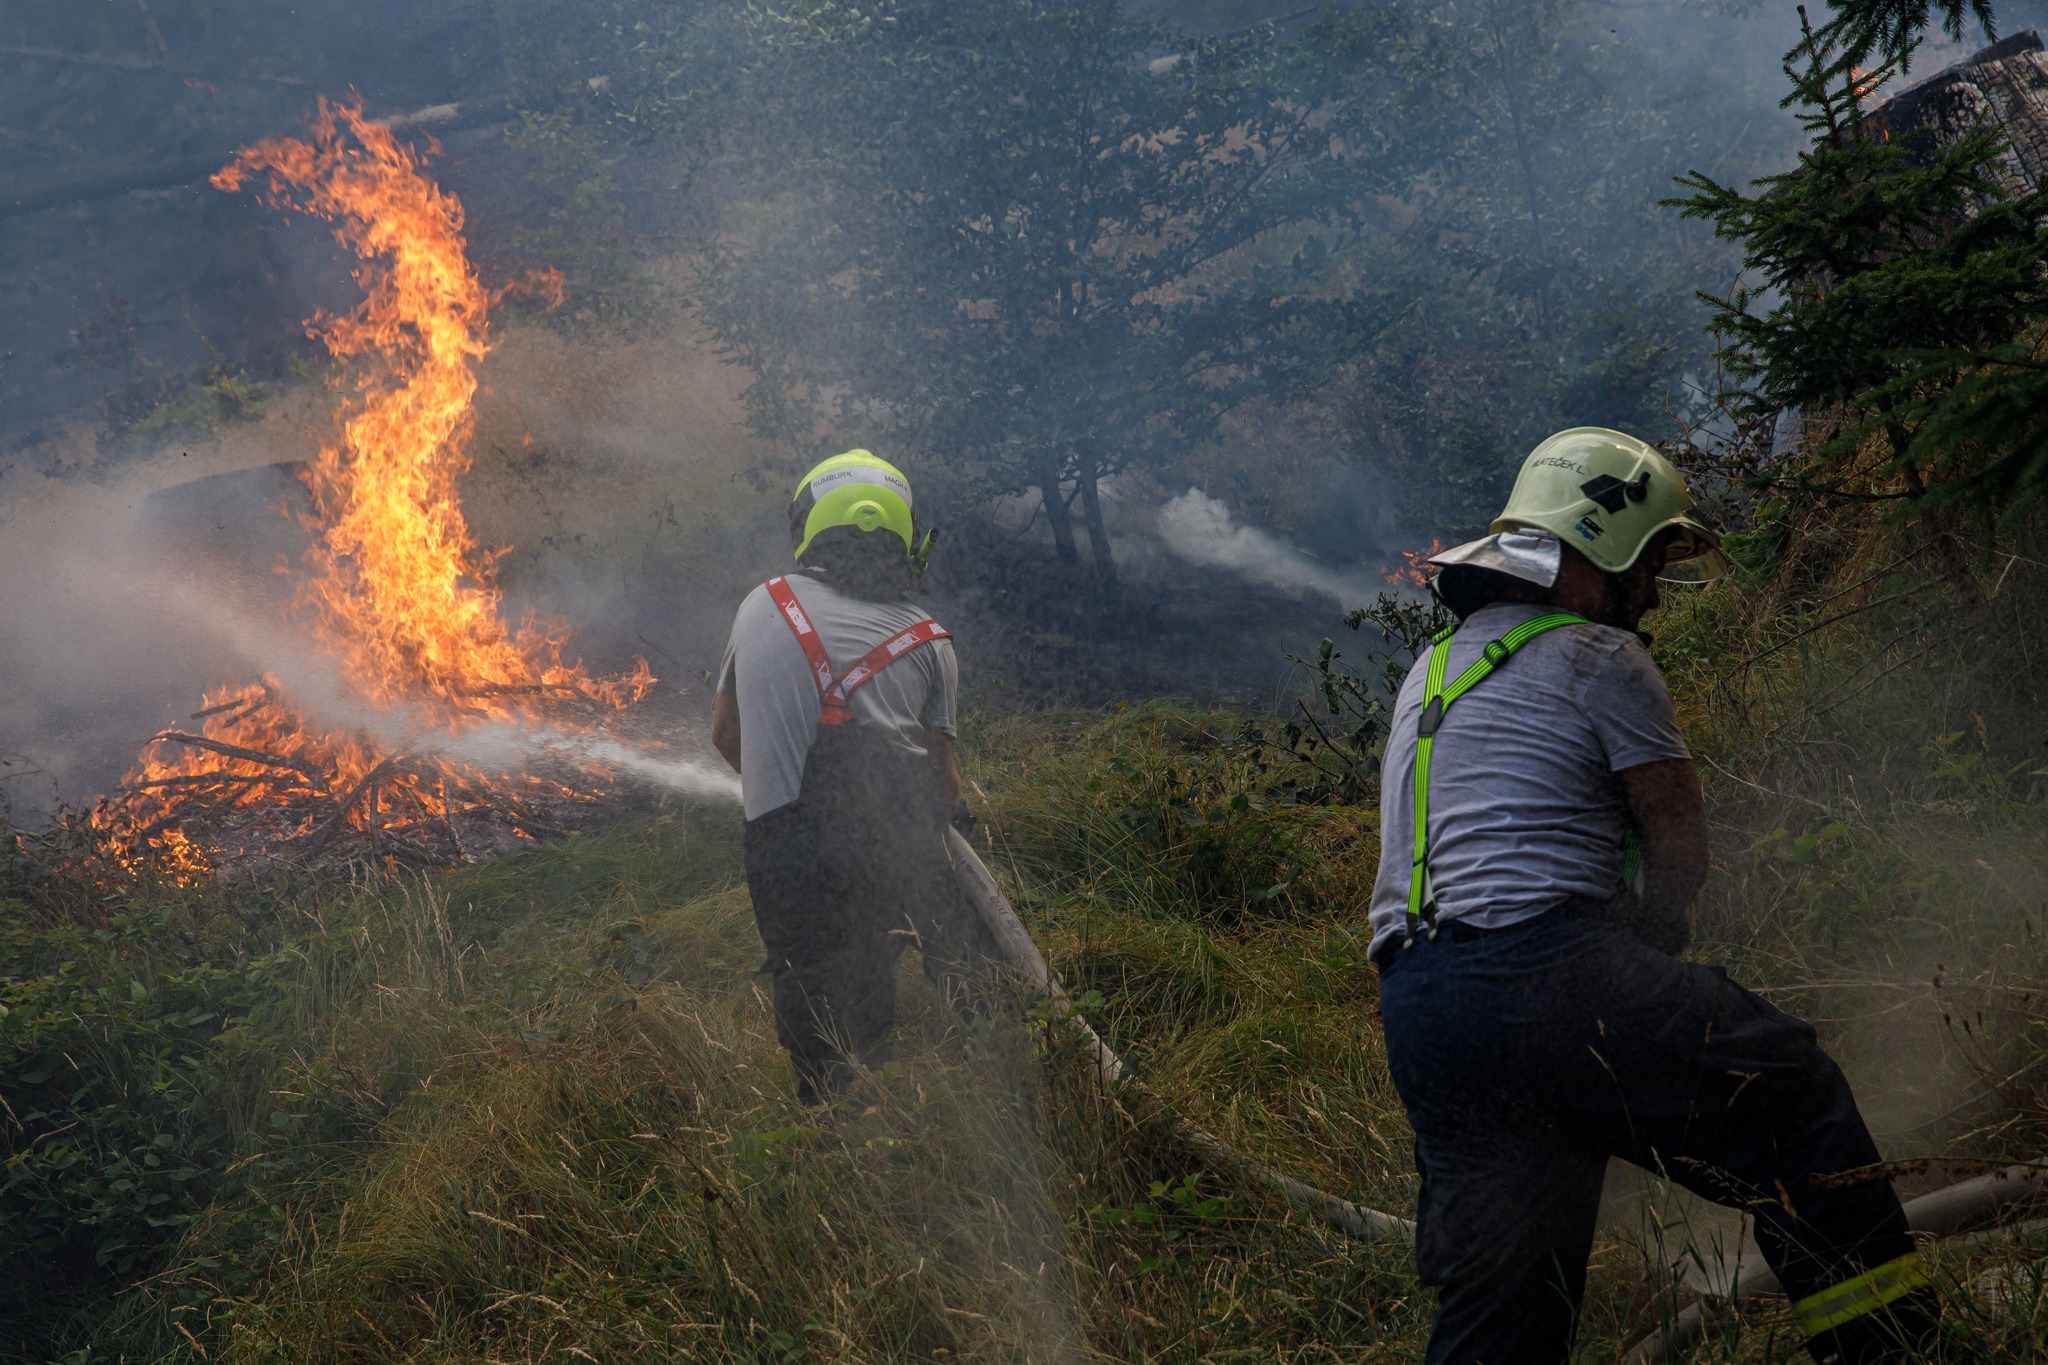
<point x="1864" y="1294"/>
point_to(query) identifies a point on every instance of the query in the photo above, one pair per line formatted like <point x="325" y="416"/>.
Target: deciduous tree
<point x="1037" y="240"/>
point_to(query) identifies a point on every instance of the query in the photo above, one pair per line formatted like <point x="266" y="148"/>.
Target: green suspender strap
<point x="1436" y="700"/>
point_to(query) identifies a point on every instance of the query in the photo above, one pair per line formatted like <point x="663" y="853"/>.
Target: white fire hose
<point x="1367" y="1225"/>
<point x="1941" y="1214"/>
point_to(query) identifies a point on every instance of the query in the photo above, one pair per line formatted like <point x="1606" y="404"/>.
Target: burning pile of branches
<point x="397" y="591"/>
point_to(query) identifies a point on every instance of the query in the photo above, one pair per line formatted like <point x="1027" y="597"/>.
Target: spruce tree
<point x="1892" y="27"/>
<point x="1877" y="270"/>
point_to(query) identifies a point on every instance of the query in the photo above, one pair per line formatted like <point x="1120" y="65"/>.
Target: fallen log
<point x="1023" y="957"/>
<point x="1940" y="1214"/>
<point x="234" y="751"/>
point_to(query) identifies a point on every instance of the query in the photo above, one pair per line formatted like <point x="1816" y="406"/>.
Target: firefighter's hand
<point x="1666" y="932"/>
<point x="963" y="819"/>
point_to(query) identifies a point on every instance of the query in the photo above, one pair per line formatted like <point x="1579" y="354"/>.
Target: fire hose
<point x="1023" y="957"/>
<point x="1941" y="1214"/>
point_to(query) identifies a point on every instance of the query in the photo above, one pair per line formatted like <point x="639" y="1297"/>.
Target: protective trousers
<point x="1528" y="1056"/>
<point x="842" y="881"/>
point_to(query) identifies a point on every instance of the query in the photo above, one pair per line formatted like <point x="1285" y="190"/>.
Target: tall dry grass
<point x="535" y="1110"/>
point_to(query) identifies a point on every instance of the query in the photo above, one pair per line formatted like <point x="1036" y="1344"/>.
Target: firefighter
<point x="1543" y="837"/>
<point x="836" y="705"/>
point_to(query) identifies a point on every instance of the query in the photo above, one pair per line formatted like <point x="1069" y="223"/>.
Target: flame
<point x="398" y="590"/>
<point x="1414" y="568"/>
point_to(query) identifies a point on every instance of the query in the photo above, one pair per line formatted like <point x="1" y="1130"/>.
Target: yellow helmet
<point x="1607" y="495"/>
<point x="856" y="489"/>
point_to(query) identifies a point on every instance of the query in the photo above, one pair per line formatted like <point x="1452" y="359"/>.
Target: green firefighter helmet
<point x="860" y="490"/>
<point x="1607" y="495"/>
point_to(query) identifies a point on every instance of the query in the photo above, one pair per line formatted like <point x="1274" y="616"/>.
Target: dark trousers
<point x="1529" y="1056"/>
<point x="842" y="882"/>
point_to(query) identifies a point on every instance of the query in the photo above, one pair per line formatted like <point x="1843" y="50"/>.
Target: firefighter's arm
<point x="939" y="745"/>
<point x="725" y="728"/>
<point x="1671" y="817"/>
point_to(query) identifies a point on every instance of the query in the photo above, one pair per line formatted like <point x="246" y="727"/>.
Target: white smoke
<point x="1201" y="530"/>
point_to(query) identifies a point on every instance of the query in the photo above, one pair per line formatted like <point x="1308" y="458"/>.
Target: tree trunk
<point x="1098" y="535"/>
<point x="1062" y="521"/>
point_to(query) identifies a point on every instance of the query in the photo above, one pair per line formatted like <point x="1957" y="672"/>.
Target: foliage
<point x="999" y="236"/>
<point x="1980" y="427"/>
<point x="1340" y="729"/>
<point x="538" y="1104"/>
<point x="1033" y="246"/>
<point x="1871" y="253"/>
<point x="583" y="228"/>
<point x="1183" y="811"/>
<point x="1526" y="284"/>
<point x="1892" y="28"/>
<point x="114" y="1022"/>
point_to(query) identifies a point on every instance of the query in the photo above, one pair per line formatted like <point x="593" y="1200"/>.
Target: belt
<point x="1457" y="931"/>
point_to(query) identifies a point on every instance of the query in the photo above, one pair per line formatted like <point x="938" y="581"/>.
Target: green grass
<point x="534" y="1110"/>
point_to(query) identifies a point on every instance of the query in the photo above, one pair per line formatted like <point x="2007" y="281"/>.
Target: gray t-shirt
<point x="779" y="702"/>
<point x="1524" y="808"/>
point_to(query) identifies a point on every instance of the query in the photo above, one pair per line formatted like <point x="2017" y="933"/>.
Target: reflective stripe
<point x="806" y="636"/>
<point x="856" y="474"/>
<point x="1436" y="700"/>
<point x="835" y="694"/>
<point x="1864" y="1294"/>
<point x="874" y="661"/>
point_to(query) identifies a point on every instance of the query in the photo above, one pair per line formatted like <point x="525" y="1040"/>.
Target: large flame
<point x="398" y="591"/>
<point x="400" y="582"/>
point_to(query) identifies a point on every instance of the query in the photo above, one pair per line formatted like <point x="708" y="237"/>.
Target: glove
<point x="963" y="819"/>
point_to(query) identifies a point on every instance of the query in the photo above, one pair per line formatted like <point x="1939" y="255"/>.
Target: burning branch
<point x="233" y="751"/>
<point x="332" y="825"/>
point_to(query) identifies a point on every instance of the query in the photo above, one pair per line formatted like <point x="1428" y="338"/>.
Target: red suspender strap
<point x="873" y="662"/>
<point x="835" y="694"/>
<point x="814" y="648"/>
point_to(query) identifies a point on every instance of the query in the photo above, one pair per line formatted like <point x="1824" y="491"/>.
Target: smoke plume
<point x="1201" y="530"/>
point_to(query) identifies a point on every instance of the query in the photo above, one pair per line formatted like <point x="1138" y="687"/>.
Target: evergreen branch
<point x="1891" y="28"/>
<point x="1980" y="426"/>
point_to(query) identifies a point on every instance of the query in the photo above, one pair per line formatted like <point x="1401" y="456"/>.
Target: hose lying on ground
<point x="1367" y="1225"/>
<point x="1942" y="1213"/>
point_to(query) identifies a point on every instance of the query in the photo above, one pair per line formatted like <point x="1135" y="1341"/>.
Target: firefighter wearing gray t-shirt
<point x="1542" y="837"/>
<point x="836" y="706"/>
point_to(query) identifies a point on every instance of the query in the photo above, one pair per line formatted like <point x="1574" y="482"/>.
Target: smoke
<point x="1201" y="530"/>
<point x="608" y="472"/>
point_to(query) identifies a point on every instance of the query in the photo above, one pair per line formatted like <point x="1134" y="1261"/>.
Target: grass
<point x="534" y="1110"/>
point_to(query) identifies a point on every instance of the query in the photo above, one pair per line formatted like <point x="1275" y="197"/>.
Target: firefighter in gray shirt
<point x="1542" y="835"/>
<point x="836" y="706"/>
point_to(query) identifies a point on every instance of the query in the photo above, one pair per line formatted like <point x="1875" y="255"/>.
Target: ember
<point x="398" y="591"/>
